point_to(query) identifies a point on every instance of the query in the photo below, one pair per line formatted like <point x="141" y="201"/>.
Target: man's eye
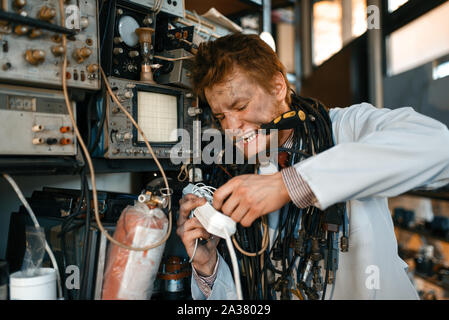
<point x="243" y="107"/>
<point x="219" y="117"/>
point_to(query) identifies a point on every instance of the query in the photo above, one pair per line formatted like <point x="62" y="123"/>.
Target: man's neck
<point x="284" y="135"/>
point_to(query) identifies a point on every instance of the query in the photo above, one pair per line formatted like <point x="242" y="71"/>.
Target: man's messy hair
<point x="216" y="60"/>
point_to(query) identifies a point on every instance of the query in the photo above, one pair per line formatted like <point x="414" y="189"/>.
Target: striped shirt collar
<point x="289" y="143"/>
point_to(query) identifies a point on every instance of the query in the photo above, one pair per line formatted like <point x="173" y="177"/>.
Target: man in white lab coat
<point x="378" y="153"/>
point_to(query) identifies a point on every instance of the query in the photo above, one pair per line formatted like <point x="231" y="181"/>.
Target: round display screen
<point x="127" y="29"/>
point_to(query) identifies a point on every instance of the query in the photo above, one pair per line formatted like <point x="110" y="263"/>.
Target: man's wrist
<point x="206" y="270"/>
<point x="283" y="188"/>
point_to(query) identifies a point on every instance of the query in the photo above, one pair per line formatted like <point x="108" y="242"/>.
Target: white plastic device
<point x="215" y="222"/>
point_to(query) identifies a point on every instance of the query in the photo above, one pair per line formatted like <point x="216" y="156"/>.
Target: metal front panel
<point x="32" y="121"/>
<point x="172" y="7"/>
<point x="121" y="142"/>
<point x="181" y="75"/>
<point x="81" y="72"/>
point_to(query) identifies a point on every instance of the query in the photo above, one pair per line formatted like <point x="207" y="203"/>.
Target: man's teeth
<point x="250" y="136"/>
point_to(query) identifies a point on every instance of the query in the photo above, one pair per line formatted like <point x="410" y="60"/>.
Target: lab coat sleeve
<point x="378" y="152"/>
<point x="223" y="288"/>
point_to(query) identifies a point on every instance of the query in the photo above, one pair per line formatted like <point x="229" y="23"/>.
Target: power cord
<point x="86" y="151"/>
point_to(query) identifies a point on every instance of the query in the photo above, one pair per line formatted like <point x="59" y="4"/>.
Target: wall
<point x="416" y="88"/>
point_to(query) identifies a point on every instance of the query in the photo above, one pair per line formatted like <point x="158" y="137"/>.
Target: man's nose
<point x="233" y="122"/>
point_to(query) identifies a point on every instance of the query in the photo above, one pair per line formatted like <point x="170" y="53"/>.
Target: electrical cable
<point x="326" y="278"/>
<point x="150" y="149"/>
<point x="106" y="26"/>
<point x="173" y="59"/>
<point x="36" y="224"/>
<point x="86" y="151"/>
<point x="86" y="241"/>
<point x="99" y="133"/>
<point x="235" y="265"/>
<point x="265" y="241"/>
<point x="67" y="221"/>
<point x="312" y="136"/>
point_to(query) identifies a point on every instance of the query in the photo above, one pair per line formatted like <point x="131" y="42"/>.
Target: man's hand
<point x="248" y="197"/>
<point x="191" y="229"/>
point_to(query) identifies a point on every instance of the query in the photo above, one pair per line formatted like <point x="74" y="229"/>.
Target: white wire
<point x="235" y="265"/>
<point x="36" y="224"/>
<point x="194" y="251"/>
<point x="157" y="6"/>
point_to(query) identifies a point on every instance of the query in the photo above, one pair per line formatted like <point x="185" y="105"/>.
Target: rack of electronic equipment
<point x="102" y="59"/>
<point x="144" y="47"/>
<point x="77" y="76"/>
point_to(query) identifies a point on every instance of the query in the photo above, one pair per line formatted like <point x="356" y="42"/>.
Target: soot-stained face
<point x="241" y="106"/>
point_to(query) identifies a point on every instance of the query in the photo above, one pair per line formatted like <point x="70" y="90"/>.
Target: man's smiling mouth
<point x="248" y="137"/>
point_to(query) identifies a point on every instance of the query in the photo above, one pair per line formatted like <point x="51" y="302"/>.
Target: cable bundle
<point x="306" y="239"/>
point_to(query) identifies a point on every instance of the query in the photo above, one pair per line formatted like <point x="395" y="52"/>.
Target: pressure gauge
<point x="126" y="28"/>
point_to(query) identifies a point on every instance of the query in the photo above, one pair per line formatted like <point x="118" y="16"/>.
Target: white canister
<point x="41" y="286"/>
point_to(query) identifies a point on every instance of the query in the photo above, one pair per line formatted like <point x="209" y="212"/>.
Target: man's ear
<point x="279" y="87"/>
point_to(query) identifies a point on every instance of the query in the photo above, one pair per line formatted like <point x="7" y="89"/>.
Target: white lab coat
<point x="378" y="153"/>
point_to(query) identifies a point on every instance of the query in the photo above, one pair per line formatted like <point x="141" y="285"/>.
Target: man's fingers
<point x="188" y="203"/>
<point x="192" y="223"/>
<point x="230" y="204"/>
<point x="239" y="213"/>
<point x="213" y="242"/>
<point x="196" y="233"/>
<point x="224" y="191"/>
<point x="248" y="219"/>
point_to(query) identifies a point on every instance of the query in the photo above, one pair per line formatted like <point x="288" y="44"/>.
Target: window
<point x="335" y="23"/>
<point x="359" y="20"/>
<point x="419" y="42"/>
<point x="327" y="30"/>
<point x="393" y="5"/>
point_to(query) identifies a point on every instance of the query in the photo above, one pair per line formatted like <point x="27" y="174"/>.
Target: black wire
<point x="89" y="120"/>
<point x="326" y="278"/>
<point x="86" y="242"/>
<point x="64" y="230"/>
<point x="99" y="133"/>
<point x="107" y="25"/>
